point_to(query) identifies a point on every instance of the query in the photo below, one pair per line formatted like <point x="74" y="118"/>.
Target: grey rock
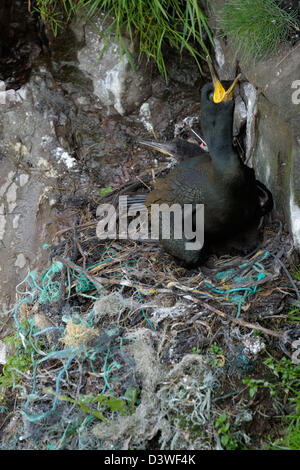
<point x="250" y="95"/>
<point x="277" y="153"/>
<point x="226" y="63"/>
<point x="240" y="115"/>
<point x="118" y="87"/>
<point x="33" y="161"/>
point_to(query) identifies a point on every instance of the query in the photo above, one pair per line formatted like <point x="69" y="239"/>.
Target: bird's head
<point x="220" y="95"/>
<point x="217" y="110"/>
<point x="215" y="116"/>
<point x="215" y="99"/>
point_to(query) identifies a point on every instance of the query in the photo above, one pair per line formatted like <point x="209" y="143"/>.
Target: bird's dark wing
<point x="181" y="186"/>
<point x="186" y="184"/>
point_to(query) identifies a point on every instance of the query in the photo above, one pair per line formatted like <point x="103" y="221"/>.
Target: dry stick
<point x="86" y="225"/>
<point x="143" y="182"/>
<point x="242" y="322"/>
<point x="194" y="299"/>
<point x="5" y="323"/>
<point x="72" y="265"/>
<point x="236" y="320"/>
<point x="292" y="50"/>
<point x="134" y="285"/>
<point x="6" y="418"/>
<point x="99" y="280"/>
<point x="79" y="248"/>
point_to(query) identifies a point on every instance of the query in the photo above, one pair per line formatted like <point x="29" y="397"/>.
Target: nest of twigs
<point x="120" y="315"/>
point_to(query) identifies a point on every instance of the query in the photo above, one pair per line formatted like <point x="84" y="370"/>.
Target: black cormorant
<point x="234" y="201"/>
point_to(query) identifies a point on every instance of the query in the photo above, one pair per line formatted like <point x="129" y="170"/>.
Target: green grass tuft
<point x="257" y="27"/>
<point x="180" y="24"/>
<point x="284" y="387"/>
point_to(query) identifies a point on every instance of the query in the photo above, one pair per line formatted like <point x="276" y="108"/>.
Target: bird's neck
<point x="220" y="147"/>
<point x="225" y="158"/>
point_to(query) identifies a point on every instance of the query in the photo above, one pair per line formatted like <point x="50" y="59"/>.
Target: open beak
<point x="167" y="149"/>
<point x="220" y="94"/>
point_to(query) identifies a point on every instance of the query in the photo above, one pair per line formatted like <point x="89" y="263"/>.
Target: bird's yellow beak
<point x="220" y="94"/>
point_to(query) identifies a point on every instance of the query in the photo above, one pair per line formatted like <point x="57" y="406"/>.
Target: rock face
<point x="62" y="138"/>
<point x="271" y="90"/>
<point x="43" y="125"/>
<point x="277" y="154"/>
<point x="119" y="87"/>
<point x="31" y="159"/>
<point x="50" y="134"/>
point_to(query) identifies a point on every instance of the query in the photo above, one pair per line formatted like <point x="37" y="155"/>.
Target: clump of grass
<point x="291" y="439"/>
<point x="181" y="24"/>
<point x="19" y="360"/>
<point x="257" y="27"/>
<point x="50" y="12"/>
<point x="283" y="386"/>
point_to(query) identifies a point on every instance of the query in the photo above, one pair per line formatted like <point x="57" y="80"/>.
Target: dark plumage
<point x="233" y="200"/>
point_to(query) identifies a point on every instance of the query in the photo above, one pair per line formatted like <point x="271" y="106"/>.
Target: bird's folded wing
<point x="179" y="187"/>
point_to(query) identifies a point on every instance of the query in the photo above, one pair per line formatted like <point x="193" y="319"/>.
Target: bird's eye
<point x="211" y="96"/>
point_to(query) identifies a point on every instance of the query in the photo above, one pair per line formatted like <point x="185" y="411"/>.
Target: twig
<point x="276" y="257"/>
<point x="4" y="323"/>
<point x="6" y="418"/>
<point x="86" y="225"/>
<point x="143" y="182"/>
<point x="72" y="265"/>
<point x="292" y="50"/>
<point x="237" y="320"/>
<point x="242" y="322"/>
